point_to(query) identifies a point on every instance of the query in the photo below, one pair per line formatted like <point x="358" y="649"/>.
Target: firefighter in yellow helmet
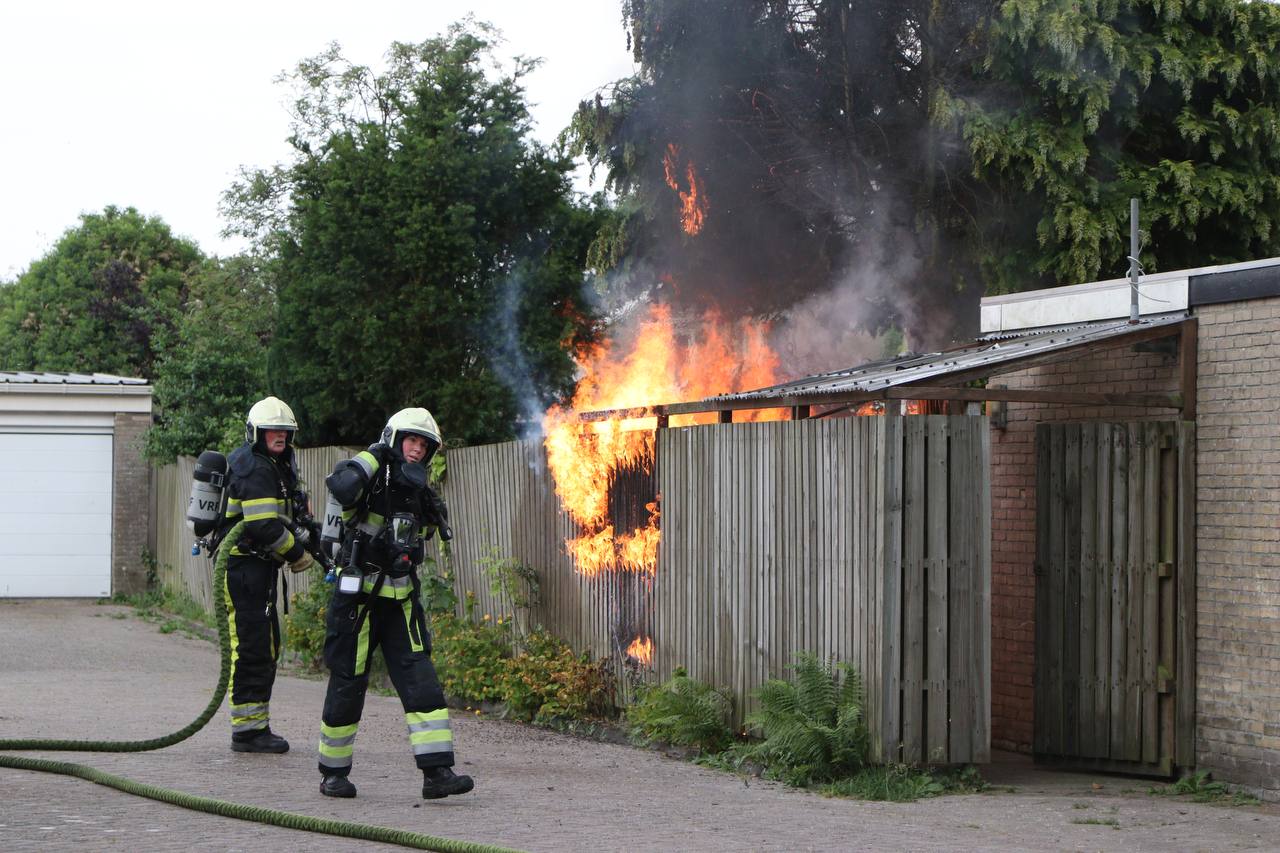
<point x="389" y="512"/>
<point x="262" y="489"/>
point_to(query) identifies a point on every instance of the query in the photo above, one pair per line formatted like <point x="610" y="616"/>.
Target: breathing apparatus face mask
<point x="404" y="532"/>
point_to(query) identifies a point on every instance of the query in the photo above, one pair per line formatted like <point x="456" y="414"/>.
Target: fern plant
<point x="684" y="712"/>
<point x="812" y="726"/>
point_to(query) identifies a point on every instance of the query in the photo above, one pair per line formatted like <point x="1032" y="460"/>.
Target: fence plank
<point x="873" y="513"/>
<point x="1070" y="601"/>
<point x="1088" y="587"/>
<point x="913" y="647"/>
<point x="1119" y="586"/>
<point x="960" y="586"/>
<point x="1134" y="596"/>
<point x="937" y="713"/>
<point x="1167" y="590"/>
<point x="1102" y="594"/>
<point x="891" y="580"/>
<point x="1150" y="591"/>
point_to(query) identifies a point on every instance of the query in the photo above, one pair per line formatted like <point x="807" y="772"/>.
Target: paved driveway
<point x="81" y="670"/>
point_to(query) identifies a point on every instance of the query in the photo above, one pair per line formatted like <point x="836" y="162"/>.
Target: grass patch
<point x="172" y="611"/>
<point x="902" y="784"/>
<point x="1200" y="789"/>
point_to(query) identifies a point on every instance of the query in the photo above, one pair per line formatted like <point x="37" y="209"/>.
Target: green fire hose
<point x="240" y="811"/>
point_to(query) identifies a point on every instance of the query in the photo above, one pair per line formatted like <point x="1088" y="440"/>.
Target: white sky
<point x="156" y="105"/>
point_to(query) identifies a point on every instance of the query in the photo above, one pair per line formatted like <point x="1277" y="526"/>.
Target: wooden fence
<point x="1115" y="596"/>
<point x="857" y="539"/>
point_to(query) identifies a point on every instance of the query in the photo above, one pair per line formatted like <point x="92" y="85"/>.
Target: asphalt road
<point x="78" y="669"/>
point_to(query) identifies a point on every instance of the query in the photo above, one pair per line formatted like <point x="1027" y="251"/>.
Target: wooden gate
<point x="1115" y="596"/>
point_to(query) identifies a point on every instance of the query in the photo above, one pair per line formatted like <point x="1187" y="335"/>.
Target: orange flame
<point x="693" y="204"/>
<point x="877" y="407"/>
<point x="641" y="649"/>
<point x="584" y="458"/>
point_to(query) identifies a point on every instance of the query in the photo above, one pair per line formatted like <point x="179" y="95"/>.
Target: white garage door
<point x="55" y="515"/>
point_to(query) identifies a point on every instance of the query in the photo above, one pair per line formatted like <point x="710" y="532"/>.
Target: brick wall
<point x="1013" y="507"/>
<point x="130" y="504"/>
<point x="1238" y="544"/>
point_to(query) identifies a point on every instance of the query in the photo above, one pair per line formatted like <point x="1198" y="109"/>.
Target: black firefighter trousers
<point x="356" y="626"/>
<point x="254" y="625"/>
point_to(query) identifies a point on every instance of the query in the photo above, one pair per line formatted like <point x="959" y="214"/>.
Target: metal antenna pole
<point x="1133" y="260"/>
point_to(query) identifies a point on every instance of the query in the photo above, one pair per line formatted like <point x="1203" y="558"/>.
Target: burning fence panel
<point x="859" y="539"/>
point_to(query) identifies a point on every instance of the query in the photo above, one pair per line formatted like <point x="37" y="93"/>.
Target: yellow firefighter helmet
<point x="269" y="413"/>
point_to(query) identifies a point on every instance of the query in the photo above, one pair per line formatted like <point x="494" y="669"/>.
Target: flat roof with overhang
<point x="946" y="374"/>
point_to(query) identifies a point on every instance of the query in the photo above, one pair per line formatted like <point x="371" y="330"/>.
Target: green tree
<point x="426" y="250"/>
<point x="214" y="362"/>
<point x="1090" y="102"/>
<point x="99" y="299"/>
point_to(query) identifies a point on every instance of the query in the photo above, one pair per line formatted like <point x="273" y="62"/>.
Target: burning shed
<point x="861" y="538"/>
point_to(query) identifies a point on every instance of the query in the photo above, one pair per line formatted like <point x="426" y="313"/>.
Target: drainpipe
<point x="1133" y="261"/>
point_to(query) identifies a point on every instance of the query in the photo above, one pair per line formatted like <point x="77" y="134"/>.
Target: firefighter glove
<point x="303" y="563"/>
<point x="437" y="506"/>
<point x="411" y="474"/>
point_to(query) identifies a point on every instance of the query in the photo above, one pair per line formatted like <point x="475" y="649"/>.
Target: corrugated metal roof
<point x="984" y="352"/>
<point x="44" y="378"/>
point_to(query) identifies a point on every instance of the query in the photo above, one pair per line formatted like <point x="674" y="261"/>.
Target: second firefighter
<point x="389" y="511"/>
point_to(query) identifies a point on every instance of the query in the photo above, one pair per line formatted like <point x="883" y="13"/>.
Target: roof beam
<point x="1031" y="395"/>
<point x="901" y="392"/>
<point x="1188" y="354"/>
<point x="1185" y="330"/>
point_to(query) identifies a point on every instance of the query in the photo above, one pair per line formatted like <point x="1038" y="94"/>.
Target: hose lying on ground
<point x="240" y="811"/>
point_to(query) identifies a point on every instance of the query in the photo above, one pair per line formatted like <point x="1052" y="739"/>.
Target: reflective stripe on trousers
<point x="429" y="731"/>
<point x="336" y="746"/>
<point x="246" y="718"/>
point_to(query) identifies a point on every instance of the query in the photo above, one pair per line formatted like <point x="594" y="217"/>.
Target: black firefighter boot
<point x="439" y="782"/>
<point x="259" y="741"/>
<point x="337" y="786"/>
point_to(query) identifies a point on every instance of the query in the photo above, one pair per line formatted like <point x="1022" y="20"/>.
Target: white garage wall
<point x="55" y="514"/>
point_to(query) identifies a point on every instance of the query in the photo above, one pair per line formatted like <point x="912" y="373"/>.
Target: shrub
<point x="684" y="712"/>
<point x="545" y="682"/>
<point x="812" y="726"/>
<point x="469" y="656"/>
<point x="548" y="682"/>
<point x="304" y="623"/>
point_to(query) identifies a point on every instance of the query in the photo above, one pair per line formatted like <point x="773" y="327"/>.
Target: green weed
<point x="1201" y="790"/>
<point x="682" y="712"/>
<point x="900" y="783"/>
